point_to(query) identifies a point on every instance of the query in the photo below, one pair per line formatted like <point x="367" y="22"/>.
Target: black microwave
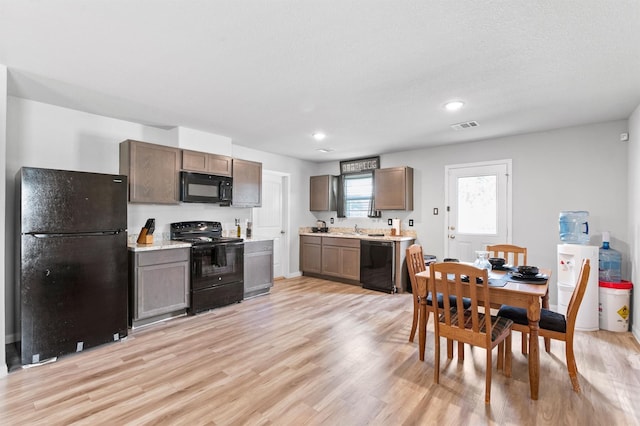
<point x="203" y="188"/>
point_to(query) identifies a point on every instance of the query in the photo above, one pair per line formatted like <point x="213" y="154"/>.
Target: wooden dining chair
<point x="513" y="255"/>
<point x="470" y="325"/>
<point x="555" y="325"/>
<point x="415" y="264"/>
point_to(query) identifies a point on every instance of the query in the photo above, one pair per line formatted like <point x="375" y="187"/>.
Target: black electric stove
<point x="217" y="264"/>
<point x="200" y="233"/>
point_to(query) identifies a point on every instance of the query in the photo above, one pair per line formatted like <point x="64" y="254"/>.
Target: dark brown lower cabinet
<point x="330" y="257"/>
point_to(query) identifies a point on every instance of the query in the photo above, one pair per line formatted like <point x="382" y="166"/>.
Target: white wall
<point x="634" y="216"/>
<point x="578" y="168"/>
<point x="42" y="135"/>
<point x="4" y="266"/>
<point x="584" y="167"/>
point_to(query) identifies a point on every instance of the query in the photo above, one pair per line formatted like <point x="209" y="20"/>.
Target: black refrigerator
<point x="72" y="284"/>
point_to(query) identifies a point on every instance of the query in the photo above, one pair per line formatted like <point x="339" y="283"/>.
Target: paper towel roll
<point x="395" y="224"/>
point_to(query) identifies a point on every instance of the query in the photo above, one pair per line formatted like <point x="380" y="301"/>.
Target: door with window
<point x="478" y="199"/>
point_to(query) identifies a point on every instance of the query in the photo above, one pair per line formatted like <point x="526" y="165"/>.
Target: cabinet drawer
<point x="258" y="246"/>
<point x="341" y="242"/>
<point x="308" y="239"/>
<point x="157" y="257"/>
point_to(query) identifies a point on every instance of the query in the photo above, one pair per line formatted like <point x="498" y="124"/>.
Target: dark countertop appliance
<point x="217" y="264"/>
<point x="73" y="261"/>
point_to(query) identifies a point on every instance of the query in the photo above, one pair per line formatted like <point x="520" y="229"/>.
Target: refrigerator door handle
<point x="75" y="235"/>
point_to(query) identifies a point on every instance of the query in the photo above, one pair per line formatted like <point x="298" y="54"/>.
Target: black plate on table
<point x="531" y="278"/>
<point x="506" y="267"/>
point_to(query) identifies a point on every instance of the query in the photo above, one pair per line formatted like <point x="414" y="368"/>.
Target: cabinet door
<point x="152" y="171"/>
<point x="351" y="263"/>
<point x="310" y="254"/>
<point x="219" y="165"/>
<point x="247" y="183"/>
<point x="394" y="188"/>
<point x="331" y="261"/>
<point x="322" y="193"/>
<point x="194" y="161"/>
<point x="161" y="289"/>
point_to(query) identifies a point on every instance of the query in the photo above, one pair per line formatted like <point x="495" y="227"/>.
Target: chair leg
<point x="500" y="363"/>
<point x="525" y="343"/>
<point x="487" y="390"/>
<point x="436" y="360"/>
<point x="571" y="364"/>
<point x="423" y="317"/>
<point x="547" y="344"/>
<point x="414" y="324"/>
<point x="449" y="348"/>
<point x="460" y="351"/>
<point x="507" y="356"/>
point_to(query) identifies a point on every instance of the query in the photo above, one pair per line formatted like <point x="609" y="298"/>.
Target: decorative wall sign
<point x="359" y="165"/>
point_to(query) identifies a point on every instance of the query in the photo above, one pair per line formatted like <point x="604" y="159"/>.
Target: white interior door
<point x="478" y="199"/>
<point x="271" y="220"/>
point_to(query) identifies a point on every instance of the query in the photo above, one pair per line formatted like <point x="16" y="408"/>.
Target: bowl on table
<point x="496" y="262"/>
<point x="528" y="270"/>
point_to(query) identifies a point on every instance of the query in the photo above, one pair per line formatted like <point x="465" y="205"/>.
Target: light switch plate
<point x="435" y="211"/>
<point x="410" y="222"/>
<point x="390" y="222"/>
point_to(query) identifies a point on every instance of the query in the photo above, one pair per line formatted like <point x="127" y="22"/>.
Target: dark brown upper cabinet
<point x="152" y="170"/>
<point x="322" y="193"/>
<point x="247" y="183"/>
<point x="203" y="162"/>
<point x="393" y="188"/>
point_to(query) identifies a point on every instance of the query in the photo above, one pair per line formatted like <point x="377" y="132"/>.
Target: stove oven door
<point x="217" y="264"/>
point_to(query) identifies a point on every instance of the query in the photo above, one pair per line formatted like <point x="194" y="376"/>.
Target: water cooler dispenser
<point x="569" y="262"/>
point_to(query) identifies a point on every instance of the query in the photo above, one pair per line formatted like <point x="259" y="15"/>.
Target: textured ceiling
<point x="373" y="75"/>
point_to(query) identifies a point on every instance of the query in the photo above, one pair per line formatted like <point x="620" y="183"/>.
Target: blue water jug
<point x="574" y="227"/>
<point x="609" y="262"/>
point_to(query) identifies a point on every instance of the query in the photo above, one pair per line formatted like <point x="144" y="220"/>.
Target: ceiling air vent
<point x="464" y="125"/>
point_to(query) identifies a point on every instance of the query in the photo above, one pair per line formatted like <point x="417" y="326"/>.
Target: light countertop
<point x="257" y="239"/>
<point x="362" y="236"/>
<point x="169" y="244"/>
<point x="158" y="245"/>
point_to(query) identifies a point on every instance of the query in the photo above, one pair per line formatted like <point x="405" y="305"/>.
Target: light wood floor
<point x="315" y="352"/>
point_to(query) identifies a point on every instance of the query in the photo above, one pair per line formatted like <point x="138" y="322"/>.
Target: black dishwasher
<point x="377" y="265"/>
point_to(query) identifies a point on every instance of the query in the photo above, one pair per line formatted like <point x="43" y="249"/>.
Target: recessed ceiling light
<point x="319" y="136"/>
<point x="324" y="150"/>
<point x="453" y="105"/>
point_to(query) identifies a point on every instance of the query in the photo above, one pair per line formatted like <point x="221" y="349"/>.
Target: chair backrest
<point x="415" y="264"/>
<point x="462" y="281"/>
<point x="513" y="255"/>
<point x="577" y="295"/>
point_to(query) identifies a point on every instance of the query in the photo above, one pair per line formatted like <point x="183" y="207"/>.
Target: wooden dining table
<point x="531" y="296"/>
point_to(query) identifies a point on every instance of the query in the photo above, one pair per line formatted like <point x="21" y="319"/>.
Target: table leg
<point x="533" y="314"/>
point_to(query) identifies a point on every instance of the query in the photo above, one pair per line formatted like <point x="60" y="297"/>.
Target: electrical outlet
<point x="331" y="220"/>
<point x="410" y="222"/>
<point x="390" y="222"/>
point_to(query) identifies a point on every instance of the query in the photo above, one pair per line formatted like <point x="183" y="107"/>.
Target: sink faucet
<point x="356" y="229"/>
